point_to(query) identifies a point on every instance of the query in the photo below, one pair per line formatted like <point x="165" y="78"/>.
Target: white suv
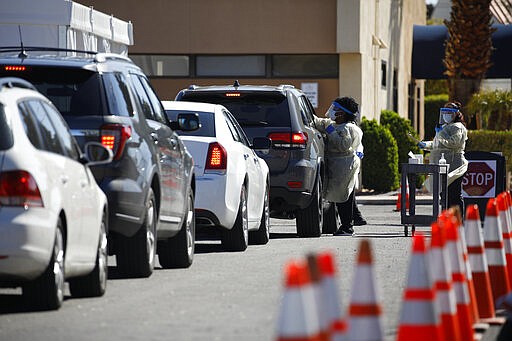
<point x="53" y="215"/>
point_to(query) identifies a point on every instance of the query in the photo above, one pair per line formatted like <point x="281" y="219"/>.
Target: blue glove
<point x="360" y="155"/>
<point x="329" y="129"/>
<point x="422" y="145"/>
<point x="438" y="129"/>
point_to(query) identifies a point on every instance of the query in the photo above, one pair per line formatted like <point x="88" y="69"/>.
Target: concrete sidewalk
<point x="390" y="198"/>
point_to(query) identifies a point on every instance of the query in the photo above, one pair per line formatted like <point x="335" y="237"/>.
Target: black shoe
<point x="359" y="222"/>
<point x="344" y="231"/>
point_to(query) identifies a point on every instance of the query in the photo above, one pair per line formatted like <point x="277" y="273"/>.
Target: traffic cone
<point x="448" y="222"/>
<point x="503" y="216"/>
<point x="298" y="318"/>
<point x="493" y="242"/>
<point x="365" y="311"/>
<point x="399" y="199"/>
<point x="332" y="305"/>
<point x="441" y="274"/>
<point x="419" y="318"/>
<point x="320" y="296"/>
<point x="467" y="266"/>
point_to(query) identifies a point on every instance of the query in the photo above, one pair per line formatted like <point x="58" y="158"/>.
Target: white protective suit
<point x="340" y="154"/>
<point x="451" y="141"/>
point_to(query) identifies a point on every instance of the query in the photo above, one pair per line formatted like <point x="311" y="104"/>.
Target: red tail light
<point x="114" y="136"/>
<point x="19" y="188"/>
<point x="289" y="139"/>
<point x="217" y="158"/>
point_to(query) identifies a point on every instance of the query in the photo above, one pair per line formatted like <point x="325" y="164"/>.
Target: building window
<point x="230" y="66"/>
<point x="322" y="66"/>
<point x="162" y="65"/>
<point x="383" y="73"/>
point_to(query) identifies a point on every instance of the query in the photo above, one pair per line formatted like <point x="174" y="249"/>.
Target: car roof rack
<point x="286" y="86"/>
<point x="104" y="56"/>
<point x="11" y="82"/>
<point x="41" y="48"/>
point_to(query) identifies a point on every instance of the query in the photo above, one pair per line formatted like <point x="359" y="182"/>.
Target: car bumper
<point x="26" y="242"/>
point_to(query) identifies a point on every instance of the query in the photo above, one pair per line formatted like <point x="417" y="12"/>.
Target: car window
<point x="49" y="138"/>
<point x="158" y="109"/>
<point x="306" y="114"/>
<point x="240" y="132"/>
<point x="142" y="98"/>
<point x="66" y="139"/>
<point x="30" y="126"/>
<point x="116" y="89"/>
<point x="6" y="140"/>
<point x="206" y="119"/>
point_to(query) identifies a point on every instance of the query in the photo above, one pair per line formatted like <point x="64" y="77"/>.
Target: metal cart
<point x="439" y="174"/>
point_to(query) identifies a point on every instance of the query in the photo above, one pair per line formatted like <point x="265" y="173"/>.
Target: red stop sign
<point x="479" y="179"/>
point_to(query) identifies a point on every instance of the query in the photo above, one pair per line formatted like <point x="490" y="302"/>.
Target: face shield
<point x="447" y="115"/>
<point x="336" y="107"/>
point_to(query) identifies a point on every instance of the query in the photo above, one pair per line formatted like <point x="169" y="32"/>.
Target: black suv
<point x="150" y="183"/>
<point x="296" y="159"/>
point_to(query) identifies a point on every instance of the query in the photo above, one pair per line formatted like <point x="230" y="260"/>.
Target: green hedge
<point x="491" y="141"/>
<point x="380" y="163"/>
<point x="432" y="105"/>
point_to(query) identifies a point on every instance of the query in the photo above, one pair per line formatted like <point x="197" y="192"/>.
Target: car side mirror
<point x="261" y="143"/>
<point x="186" y="122"/>
<point x="97" y="154"/>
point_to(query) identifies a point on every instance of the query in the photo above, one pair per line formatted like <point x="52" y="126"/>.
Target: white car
<point x="232" y="182"/>
<point x="53" y="220"/>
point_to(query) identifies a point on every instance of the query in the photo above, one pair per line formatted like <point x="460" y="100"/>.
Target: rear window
<point x="5" y="132"/>
<point x="250" y="109"/>
<point x="73" y="91"/>
<point x="206" y="119"/>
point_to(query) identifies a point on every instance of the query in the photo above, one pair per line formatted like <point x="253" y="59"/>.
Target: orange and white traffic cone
<point x="441" y="274"/>
<point x="419" y="319"/>
<point x="503" y="216"/>
<point x="365" y="312"/>
<point x="320" y="297"/>
<point x="398" y="207"/>
<point x="494" y="250"/>
<point x="332" y="305"/>
<point x="298" y="318"/>
<point x="448" y="222"/>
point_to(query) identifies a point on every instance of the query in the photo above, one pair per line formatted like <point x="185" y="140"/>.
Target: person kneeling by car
<point x="344" y="152"/>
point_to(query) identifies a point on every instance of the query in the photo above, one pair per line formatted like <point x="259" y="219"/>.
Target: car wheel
<point x="262" y="235"/>
<point x="47" y="291"/>
<point x="237" y="238"/>
<point x="309" y="221"/>
<point x="331" y="218"/>
<point x="136" y="255"/>
<point x="178" y="251"/>
<point x="94" y="283"/>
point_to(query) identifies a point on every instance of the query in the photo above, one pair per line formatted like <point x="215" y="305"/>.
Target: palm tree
<point x="468" y="48"/>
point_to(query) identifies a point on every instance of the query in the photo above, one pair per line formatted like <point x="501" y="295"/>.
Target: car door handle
<point x="83" y="184"/>
<point x="174" y="143"/>
<point x="246" y="156"/>
<point x="256" y="160"/>
<point x="64" y="179"/>
<point x="154" y="136"/>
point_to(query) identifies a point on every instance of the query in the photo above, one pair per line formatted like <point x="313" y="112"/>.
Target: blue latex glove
<point x="330" y="129"/>
<point x="438" y="129"/>
<point x="422" y="145"/>
<point x="360" y="155"/>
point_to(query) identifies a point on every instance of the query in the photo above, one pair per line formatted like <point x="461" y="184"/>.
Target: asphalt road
<point x="222" y="296"/>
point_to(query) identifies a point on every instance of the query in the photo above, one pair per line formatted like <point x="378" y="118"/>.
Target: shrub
<point x="491" y="109"/>
<point x="380" y="163"/>
<point x="491" y="141"/>
<point x="432" y="105"/>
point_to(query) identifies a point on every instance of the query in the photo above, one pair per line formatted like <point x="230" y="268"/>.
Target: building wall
<point x="364" y="34"/>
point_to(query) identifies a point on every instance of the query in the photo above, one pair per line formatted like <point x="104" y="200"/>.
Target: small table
<point x="439" y="174"/>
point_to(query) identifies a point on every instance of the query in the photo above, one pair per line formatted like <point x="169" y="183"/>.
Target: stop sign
<point x="480" y="179"/>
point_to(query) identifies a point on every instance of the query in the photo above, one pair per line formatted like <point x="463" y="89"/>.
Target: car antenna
<point x="236" y="84"/>
<point x="22" y="54"/>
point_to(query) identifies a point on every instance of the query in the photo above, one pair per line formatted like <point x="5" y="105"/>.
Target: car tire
<point x="237" y="238"/>
<point x="309" y="221"/>
<point x="178" y="251"/>
<point x="47" y="291"/>
<point x="262" y="235"/>
<point x="94" y="284"/>
<point x="135" y="255"/>
<point x="331" y="219"/>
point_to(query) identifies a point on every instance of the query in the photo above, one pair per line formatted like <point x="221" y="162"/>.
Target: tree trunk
<point x="461" y="89"/>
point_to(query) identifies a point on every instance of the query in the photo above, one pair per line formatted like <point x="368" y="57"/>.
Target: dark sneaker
<point x="359" y="222"/>
<point x="344" y="231"/>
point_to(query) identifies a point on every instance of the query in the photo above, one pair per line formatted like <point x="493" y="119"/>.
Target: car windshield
<point x="251" y="109"/>
<point x="5" y="131"/>
<point x="206" y="120"/>
<point x="73" y="91"/>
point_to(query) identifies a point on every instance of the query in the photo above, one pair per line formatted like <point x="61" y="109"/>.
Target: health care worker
<point x="344" y="152"/>
<point x="450" y="141"/>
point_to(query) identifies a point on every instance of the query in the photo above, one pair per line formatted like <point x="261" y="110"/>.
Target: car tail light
<point x="114" y="137"/>
<point x="232" y="94"/>
<point x="217" y="158"/>
<point x="289" y="139"/>
<point x="19" y="188"/>
<point x="294" y="184"/>
<point x="15" y="68"/>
